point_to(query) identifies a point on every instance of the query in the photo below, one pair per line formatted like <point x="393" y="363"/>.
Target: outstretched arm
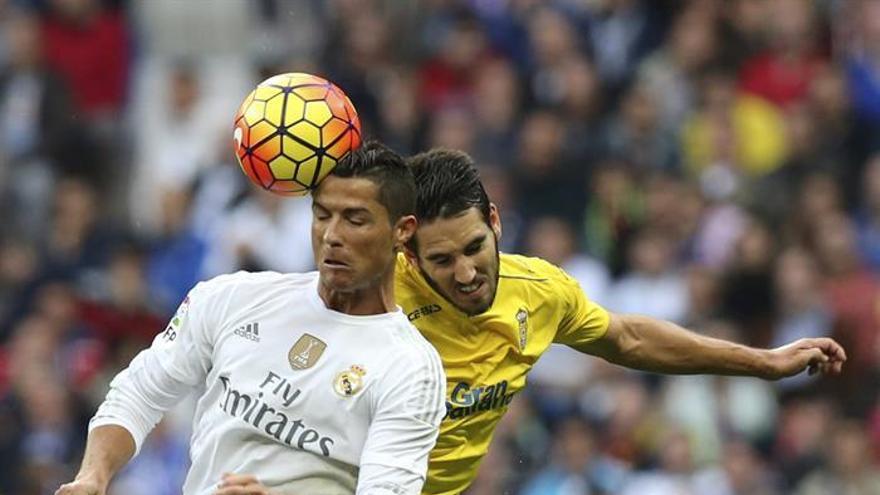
<point x="659" y="346"/>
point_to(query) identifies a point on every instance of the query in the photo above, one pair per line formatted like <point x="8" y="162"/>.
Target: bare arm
<point x="660" y="346"/>
<point x="108" y="448"/>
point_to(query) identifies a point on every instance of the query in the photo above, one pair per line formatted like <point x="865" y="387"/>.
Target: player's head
<point x="362" y="214"/>
<point x="456" y="245"/>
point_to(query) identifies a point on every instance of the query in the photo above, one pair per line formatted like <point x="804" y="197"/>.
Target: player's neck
<point x="372" y="300"/>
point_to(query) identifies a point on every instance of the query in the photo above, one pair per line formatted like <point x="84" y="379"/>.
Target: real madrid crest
<point x="305" y="352"/>
<point x="350" y="381"/>
<point x="522" y="318"/>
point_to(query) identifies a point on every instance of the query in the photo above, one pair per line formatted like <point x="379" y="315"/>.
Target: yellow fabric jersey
<point x="487" y="357"/>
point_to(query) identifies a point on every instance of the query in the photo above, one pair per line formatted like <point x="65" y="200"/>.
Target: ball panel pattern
<point x="291" y="131"/>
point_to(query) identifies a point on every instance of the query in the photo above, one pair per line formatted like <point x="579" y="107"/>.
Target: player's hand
<point x="819" y="355"/>
<point x="84" y="486"/>
<point x="240" y="484"/>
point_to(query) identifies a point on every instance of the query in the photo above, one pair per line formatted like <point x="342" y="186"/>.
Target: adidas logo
<point x="251" y="331"/>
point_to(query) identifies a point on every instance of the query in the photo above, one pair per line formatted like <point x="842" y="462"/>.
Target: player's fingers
<point x="72" y="489"/>
<point x="238" y="479"/>
<point x="828" y="368"/>
<point x="253" y="488"/>
<point x="242" y="490"/>
<point x="839" y="352"/>
<point x="239" y="490"/>
<point x="830" y="347"/>
<point x="831" y="367"/>
<point x="816" y="356"/>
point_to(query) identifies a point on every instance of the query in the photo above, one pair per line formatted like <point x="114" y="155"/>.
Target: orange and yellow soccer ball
<point x="292" y="130"/>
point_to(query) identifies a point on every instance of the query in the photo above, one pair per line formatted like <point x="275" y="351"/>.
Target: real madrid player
<point x="492" y="315"/>
<point x="311" y="383"/>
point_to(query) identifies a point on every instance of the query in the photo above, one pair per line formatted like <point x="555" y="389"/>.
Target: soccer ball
<point x="292" y="130"/>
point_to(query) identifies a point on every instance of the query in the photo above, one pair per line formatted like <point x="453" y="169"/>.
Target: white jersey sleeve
<point x="158" y="377"/>
<point x="403" y="431"/>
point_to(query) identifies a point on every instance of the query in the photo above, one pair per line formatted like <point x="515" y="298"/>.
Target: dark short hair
<point x="386" y="169"/>
<point x="448" y="184"/>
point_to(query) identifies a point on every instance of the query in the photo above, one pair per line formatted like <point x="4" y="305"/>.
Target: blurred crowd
<point x="711" y="162"/>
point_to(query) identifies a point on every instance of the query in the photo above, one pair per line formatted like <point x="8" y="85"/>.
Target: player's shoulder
<point x="529" y="269"/>
<point x="530" y="277"/>
<point x="251" y="284"/>
<point x="409" y="346"/>
<point x="245" y="278"/>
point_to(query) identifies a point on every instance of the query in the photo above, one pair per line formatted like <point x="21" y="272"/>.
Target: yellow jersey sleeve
<point x="583" y="320"/>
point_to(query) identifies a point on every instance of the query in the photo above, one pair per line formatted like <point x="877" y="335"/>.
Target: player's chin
<point x="337" y="278"/>
<point x="474" y="302"/>
<point x="473" y="307"/>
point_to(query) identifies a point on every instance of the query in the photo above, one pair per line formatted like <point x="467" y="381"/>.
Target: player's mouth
<point x="471" y="291"/>
<point x="334" y="264"/>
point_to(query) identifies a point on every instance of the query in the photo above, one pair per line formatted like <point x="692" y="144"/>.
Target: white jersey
<point x="307" y="399"/>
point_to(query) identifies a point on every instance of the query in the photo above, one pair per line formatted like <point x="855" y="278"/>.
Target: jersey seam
<point x="430" y="367"/>
<point x="525" y="277"/>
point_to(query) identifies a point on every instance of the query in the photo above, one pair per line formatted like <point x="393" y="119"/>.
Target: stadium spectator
<point x="849" y="468"/>
<point x="772" y="167"/>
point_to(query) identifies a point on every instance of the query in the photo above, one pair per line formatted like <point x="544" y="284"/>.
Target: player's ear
<point x="410" y="255"/>
<point x="404" y="229"/>
<point x="495" y="220"/>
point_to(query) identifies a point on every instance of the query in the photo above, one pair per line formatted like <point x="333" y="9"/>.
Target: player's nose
<point x="332" y="235"/>
<point x="465" y="271"/>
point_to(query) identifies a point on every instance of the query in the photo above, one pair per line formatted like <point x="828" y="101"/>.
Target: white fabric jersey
<point x="309" y="400"/>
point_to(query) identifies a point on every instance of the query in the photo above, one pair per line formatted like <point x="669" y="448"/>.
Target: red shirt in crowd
<point x="779" y="80"/>
<point x="92" y="57"/>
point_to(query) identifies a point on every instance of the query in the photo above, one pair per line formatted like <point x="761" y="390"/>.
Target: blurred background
<point x="711" y="162"/>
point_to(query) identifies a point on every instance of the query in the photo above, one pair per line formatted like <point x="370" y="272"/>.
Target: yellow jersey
<point x="486" y="357"/>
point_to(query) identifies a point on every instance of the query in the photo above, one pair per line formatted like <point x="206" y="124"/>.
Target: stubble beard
<point x="431" y="282"/>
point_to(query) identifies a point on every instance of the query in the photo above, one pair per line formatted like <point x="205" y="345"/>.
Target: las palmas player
<point x="310" y="383"/>
<point x="492" y="315"/>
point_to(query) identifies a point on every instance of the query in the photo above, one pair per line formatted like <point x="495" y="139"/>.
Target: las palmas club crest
<point x="522" y="318"/>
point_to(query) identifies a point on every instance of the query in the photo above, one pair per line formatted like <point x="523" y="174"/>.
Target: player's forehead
<point x="453" y="233"/>
<point x="347" y="194"/>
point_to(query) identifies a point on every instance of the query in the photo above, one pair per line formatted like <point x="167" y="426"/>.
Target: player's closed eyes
<point x="440" y="260"/>
<point x="357" y="221"/>
<point x="320" y="213"/>
<point x="474" y="249"/>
